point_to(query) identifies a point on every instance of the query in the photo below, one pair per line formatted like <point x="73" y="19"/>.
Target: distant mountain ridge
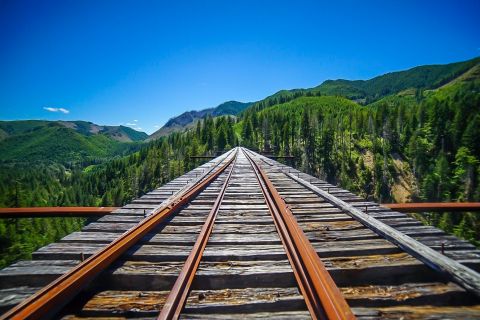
<point x="64" y="141"/>
<point x="361" y="91"/>
<point x="78" y="140"/>
<point x="368" y="91"/>
<point x="119" y="133"/>
<point x="188" y="119"/>
<point x="421" y="77"/>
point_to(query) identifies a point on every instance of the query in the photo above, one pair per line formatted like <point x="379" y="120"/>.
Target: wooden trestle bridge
<point x="244" y="236"/>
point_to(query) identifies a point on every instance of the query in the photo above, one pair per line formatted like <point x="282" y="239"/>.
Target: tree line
<point x="433" y="134"/>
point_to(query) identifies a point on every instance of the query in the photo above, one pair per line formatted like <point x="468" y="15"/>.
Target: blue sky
<point x="113" y="62"/>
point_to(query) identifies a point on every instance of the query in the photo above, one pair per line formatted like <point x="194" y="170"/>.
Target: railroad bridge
<point x="244" y="236"/>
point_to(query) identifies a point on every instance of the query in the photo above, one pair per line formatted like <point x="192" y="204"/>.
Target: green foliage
<point x="435" y="133"/>
<point x="112" y="183"/>
<point x="20" y="237"/>
<point x="57" y="143"/>
<point x="230" y="108"/>
<point x="122" y="133"/>
<point x="408" y="84"/>
<point x="423" y="77"/>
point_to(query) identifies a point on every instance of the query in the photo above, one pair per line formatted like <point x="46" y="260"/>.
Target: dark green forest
<point x="409" y="142"/>
<point x="427" y="140"/>
<point x="112" y="183"/>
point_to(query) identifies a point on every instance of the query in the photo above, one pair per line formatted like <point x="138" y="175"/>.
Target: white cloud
<point x="134" y="125"/>
<point x="156" y="126"/>
<point x="62" y="110"/>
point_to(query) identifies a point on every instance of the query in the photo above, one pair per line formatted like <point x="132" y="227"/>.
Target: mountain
<point x="119" y="133"/>
<point x="189" y="119"/>
<point x="64" y="141"/>
<point x="422" y="77"/>
<point x="368" y="91"/>
<point x="361" y="91"/>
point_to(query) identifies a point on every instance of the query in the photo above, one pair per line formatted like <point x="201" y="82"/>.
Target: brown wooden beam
<point x="39" y="212"/>
<point x="434" y="206"/>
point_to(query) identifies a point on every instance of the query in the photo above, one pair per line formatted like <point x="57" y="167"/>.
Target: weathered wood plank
<point x="66" y="251"/>
<point x="244" y="300"/>
<point x="121" y="218"/>
<point x="175" y="238"/>
<point x="243" y="228"/>
<point x="90" y="237"/>
<point x="141" y="275"/>
<point x="279" y="315"/>
<point x="12" y="296"/>
<point x="148" y="303"/>
<point x="355" y="248"/>
<point x="34" y="273"/>
<point x="418" y="312"/>
<point x="432" y="293"/>
<point x="119" y="227"/>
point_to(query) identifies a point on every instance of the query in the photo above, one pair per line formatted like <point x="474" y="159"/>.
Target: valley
<point x="403" y="136"/>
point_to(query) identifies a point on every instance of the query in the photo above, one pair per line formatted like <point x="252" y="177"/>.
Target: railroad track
<point x="246" y="237"/>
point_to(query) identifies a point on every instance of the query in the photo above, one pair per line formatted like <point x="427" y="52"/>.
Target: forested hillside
<point x="64" y="141"/>
<point x="367" y="91"/>
<point x="119" y="133"/>
<point x="422" y="77"/>
<point x="416" y="144"/>
<point x="111" y="183"/>
<point x="419" y="145"/>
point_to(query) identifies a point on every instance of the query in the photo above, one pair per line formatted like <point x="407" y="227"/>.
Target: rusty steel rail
<point x="434" y="206"/>
<point x="39" y="212"/>
<point x="50" y="299"/>
<point x="178" y="295"/>
<point x="322" y="296"/>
